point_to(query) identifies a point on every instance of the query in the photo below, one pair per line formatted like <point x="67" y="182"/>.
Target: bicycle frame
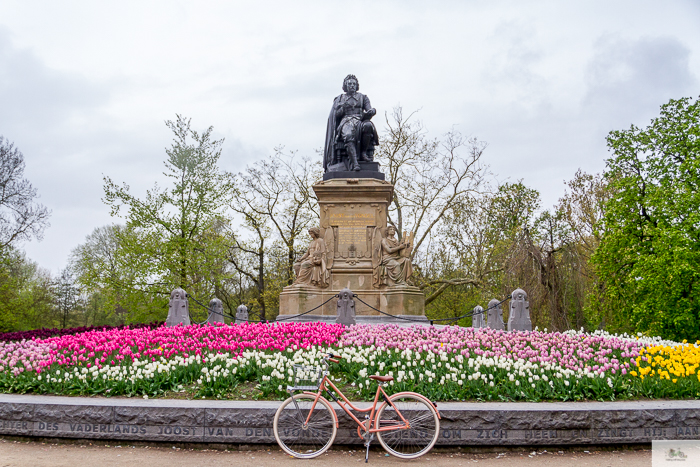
<point x="345" y="403"/>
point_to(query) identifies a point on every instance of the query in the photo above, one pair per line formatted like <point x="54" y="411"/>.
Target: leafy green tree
<point x="26" y="295"/>
<point x="102" y="270"/>
<point x="473" y="260"/>
<point x="649" y="255"/>
<point x="172" y="237"/>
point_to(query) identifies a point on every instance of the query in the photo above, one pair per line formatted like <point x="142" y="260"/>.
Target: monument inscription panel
<point x="352" y="230"/>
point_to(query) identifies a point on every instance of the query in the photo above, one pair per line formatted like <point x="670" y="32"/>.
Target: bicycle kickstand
<point x="369" y="440"/>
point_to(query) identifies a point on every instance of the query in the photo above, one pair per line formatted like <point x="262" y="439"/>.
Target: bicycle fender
<point x="314" y="394"/>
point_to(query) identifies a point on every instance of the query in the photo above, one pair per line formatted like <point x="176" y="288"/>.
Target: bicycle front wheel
<point x="300" y="438"/>
<point x="423" y="429"/>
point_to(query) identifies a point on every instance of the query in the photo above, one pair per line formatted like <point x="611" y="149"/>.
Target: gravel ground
<point x="36" y="453"/>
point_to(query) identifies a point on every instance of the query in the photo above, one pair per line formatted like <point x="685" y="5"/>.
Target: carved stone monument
<point x="216" y="311"/>
<point x="478" y="317"/>
<point x="242" y="314"/>
<point x="178" y="309"/>
<point x="495" y="315"/>
<point x="519" y="317"/>
<point x="346" y="308"/>
<point x="354" y="247"/>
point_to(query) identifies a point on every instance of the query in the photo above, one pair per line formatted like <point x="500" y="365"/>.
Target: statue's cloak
<point x="329" y="148"/>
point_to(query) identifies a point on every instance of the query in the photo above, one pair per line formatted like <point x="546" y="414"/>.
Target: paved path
<point x="39" y="454"/>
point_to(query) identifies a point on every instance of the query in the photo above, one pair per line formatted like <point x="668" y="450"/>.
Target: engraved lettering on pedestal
<point x="452" y="434"/>
<point x="12" y="425"/>
<point x="258" y="432"/>
<point x="687" y="431"/>
<point x="48" y="426"/>
<point x="351" y="232"/>
<point x="177" y="430"/>
<point x="492" y="434"/>
<point x="540" y="434"/>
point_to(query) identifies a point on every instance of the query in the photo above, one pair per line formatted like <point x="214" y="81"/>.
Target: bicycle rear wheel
<point x="423" y="430"/>
<point x="295" y="436"/>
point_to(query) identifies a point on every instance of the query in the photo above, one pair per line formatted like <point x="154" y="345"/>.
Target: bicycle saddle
<point x="383" y="379"/>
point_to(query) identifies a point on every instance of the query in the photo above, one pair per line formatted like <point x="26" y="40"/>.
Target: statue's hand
<point x="369" y="114"/>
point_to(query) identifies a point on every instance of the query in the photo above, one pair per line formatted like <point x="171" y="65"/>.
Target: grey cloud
<point x="629" y="79"/>
<point x="34" y="95"/>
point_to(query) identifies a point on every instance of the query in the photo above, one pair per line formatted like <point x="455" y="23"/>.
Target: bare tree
<point x="277" y="204"/>
<point x="430" y="177"/>
<point x="21" y="218"/>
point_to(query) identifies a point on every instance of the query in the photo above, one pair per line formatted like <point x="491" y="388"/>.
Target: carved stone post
<point x="346" y="308"/>
<point x="178" y="309"/>
<point x="495" y="315"/>
<point x="216" y="311"/>
<point x="478" y="317"/>
<point x="242" y="314"/>
<point x="519" y="318"/>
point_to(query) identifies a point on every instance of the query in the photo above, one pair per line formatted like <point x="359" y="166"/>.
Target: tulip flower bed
<point x="450" y="363"/>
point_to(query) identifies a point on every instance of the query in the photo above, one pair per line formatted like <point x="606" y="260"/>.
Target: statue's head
<point x="347" y="80"/>
<point x="390" y="231"/>
<point x="315" y="232"/>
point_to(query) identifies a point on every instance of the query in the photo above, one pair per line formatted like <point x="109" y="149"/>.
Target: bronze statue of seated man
<point x="350" y="136"/>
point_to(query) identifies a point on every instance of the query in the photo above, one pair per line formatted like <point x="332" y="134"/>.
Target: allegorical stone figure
<point x="311" y="268"/>
<point x="391" y="264"/>
<point x="350" y="135"/>
<point x="178" y="308"/>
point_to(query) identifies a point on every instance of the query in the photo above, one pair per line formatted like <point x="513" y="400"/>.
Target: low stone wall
<point x="236" y="422"/>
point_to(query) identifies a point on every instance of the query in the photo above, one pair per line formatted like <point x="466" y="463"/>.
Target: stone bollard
<point x="478" y="317"/>
<point x="242" y="314"/>
<point x="519" y="318"/>
<point x="346" y="308"/>
<point x="495" y="315"/>
<point x="216" y="311"/>
<point x="178" y="308"/>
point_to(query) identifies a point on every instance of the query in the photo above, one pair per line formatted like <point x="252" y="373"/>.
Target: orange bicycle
<point x="407" y="424"/>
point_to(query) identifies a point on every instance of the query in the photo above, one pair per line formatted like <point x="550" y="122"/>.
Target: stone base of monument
<point x="353" y="221"/>
<point x="496" y="424"/>
<point x="408" y="302"/>
<point x="367" y="170"/>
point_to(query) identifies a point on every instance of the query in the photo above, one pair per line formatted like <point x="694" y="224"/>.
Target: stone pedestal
<point x="351" y="209"/>
<point x="367" y="170"/>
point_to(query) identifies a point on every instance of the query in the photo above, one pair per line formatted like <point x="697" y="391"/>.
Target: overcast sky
<point x="85" y="87"/>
